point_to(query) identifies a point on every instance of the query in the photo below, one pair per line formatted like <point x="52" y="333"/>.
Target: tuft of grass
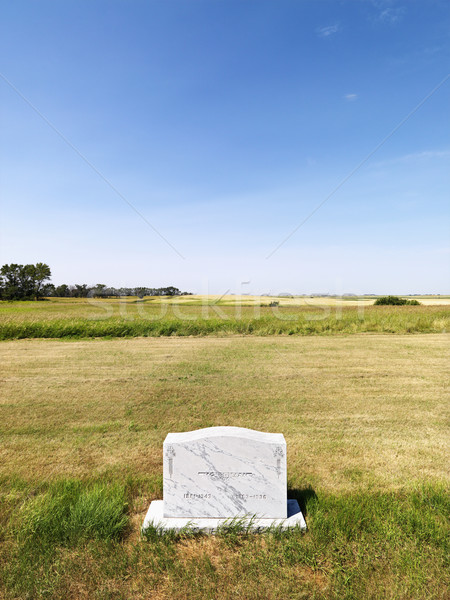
<point x="69" y="512"/>
<point x="234" y="531"/>
<point x="156" y="533"/>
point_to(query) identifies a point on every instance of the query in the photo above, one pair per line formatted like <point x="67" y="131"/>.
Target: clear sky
<point x="181" y="142"/>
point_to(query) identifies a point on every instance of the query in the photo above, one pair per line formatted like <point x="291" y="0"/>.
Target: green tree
<point x="48" y="289"/>
<point x="21" y="282"/>
<point x="41" y="273"/>
<point x="99" y="290"/>
<point x="62" y="291"/>
<point x="81" y="290"/>
<point x="10" y="281"/>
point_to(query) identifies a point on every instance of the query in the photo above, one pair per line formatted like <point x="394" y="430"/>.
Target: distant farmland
<point x="210" y="315"/>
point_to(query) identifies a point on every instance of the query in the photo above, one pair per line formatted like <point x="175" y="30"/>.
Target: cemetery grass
<point x="366" y="424"/>
<point x="153" y="317"/>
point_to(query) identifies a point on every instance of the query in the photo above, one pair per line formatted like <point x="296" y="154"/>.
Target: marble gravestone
<point x="214" y="475"/>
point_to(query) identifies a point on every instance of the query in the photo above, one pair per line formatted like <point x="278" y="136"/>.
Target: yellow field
<point x="233" y="300"/>
<point x="356" y="411"/>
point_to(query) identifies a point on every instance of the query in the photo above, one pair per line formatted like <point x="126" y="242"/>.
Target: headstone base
<point x="155" y="517"/>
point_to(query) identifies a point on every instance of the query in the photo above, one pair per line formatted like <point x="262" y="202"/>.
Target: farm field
<point x="366" y="423"/>
<point x="189" y="315"/>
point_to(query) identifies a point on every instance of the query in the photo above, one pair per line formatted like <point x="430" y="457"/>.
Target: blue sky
<point x="225" y="124"/>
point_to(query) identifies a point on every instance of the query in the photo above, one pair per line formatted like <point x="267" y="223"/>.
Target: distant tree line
<point x="103" y="291"/>
<point x="30" y="282"/>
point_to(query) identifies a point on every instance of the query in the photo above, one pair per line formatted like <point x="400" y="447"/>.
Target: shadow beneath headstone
<point x="302" y="495"/>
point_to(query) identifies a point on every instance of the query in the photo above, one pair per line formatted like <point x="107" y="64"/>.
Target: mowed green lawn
<point x="366" y="423"/>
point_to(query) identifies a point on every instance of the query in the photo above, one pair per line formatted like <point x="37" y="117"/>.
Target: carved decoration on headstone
<point x="170" y="453"/>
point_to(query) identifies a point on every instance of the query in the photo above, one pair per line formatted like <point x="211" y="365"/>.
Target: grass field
<point x="366" y="423"/>
<point x="187" y="316"/>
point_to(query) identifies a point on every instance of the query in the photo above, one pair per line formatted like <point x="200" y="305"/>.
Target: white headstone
<point x="218" y="474"/>
<point x="225" y="472"/>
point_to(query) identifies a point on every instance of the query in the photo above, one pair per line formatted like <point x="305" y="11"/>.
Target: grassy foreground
<point x="131" y="317"/>
<point x="365" y="419"/>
